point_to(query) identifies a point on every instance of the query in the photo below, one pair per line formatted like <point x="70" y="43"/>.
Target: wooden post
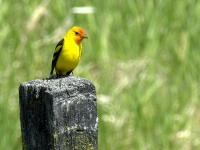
<point x="58" y="114"/>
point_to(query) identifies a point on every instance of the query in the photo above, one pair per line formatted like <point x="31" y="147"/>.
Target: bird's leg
<point x="68" y="73"/>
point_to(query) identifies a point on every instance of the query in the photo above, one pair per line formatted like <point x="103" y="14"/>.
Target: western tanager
<point x="68" y="52"/>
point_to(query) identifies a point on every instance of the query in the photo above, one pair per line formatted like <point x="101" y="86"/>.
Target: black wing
<point x="56" y="55"/>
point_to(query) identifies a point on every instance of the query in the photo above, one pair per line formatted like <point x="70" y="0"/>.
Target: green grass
<point x="142" y="56"/>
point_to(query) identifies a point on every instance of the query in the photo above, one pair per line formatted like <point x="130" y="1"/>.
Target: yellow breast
<point x="69" y="57"/>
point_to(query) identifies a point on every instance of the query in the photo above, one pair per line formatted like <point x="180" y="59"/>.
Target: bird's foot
<point x="52" y="76"/>
<point x="55" y="76"/>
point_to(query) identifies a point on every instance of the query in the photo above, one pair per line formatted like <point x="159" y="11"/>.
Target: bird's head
<point x="77" y="33"/>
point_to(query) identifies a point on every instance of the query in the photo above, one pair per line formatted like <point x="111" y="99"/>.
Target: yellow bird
<point x="68" y="52"/>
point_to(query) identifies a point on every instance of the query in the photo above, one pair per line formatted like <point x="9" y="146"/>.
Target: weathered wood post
<point x="58" y="114"/>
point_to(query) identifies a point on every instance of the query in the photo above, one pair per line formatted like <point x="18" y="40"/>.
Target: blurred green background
<point x="143" y="57"/>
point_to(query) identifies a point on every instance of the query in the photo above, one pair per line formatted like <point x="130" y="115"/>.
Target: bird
<point x="68" y="52"/>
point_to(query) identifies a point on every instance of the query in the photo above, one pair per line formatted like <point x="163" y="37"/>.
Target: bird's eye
<point x="76" y="33"/>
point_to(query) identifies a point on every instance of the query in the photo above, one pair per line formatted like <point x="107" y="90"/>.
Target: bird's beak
<point x="84" y="36"/>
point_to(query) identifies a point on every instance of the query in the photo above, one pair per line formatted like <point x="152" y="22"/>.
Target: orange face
<point x="79" y="34"/>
